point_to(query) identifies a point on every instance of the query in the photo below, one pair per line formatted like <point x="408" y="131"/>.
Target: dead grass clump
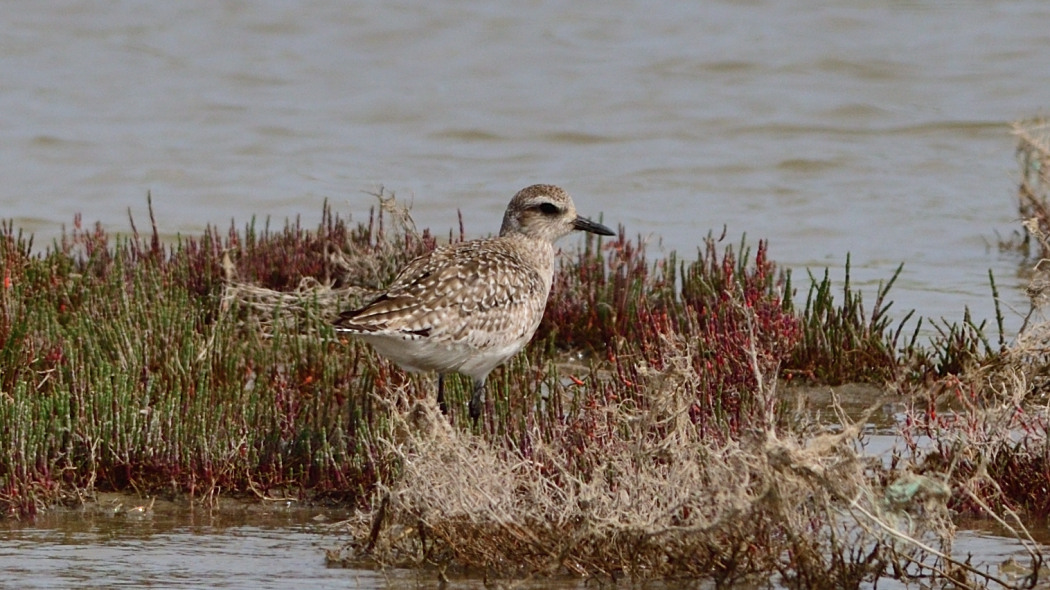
<point x="660" y="501"/>
<point x="295" y="280"/>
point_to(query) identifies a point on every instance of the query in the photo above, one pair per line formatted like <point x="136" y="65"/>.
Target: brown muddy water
<point x="122" y="542"/>
<point x="119" y="542"/>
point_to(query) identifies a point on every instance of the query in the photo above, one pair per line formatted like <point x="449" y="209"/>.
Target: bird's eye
<point x="548" y="208"/>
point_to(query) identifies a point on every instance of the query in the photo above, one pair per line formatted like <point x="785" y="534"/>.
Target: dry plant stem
<point x="766" y="396"/>
<point x="1017" y="530"/>
<point x="881" y="524"/>
<point x="399" y="212"/>
<point x="377" y="522"/>
<point x="1039" y="283"/>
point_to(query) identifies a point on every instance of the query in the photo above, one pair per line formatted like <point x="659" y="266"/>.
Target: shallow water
<point x="175" y="547"/>
<point x="873" y="127"/>
<point x="171" y="545"/>
<point x="255" y="546"/>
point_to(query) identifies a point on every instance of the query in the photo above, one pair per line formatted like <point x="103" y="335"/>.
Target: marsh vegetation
<point x="646" y="433"/>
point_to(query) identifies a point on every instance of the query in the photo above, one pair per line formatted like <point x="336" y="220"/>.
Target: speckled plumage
<point x="470" y="306"/>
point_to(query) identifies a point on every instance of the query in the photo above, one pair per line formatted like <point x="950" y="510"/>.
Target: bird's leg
<point x="476" y="400"/>
<point x="441" y="394"/>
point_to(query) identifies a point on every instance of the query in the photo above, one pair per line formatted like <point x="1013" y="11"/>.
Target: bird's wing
<point x="481" y="279"/>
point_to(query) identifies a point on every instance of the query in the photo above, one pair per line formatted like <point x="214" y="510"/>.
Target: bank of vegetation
<point x="652" y="430"/>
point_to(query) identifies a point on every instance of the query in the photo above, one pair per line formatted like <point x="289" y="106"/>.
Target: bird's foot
<point x="476" y="402"/>
<point x="441" y="395"/>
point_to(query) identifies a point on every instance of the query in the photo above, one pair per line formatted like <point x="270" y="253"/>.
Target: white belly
<point x="426" y="354"/>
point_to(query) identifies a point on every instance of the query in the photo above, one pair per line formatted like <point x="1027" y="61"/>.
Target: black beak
<point x="594" y="228"/>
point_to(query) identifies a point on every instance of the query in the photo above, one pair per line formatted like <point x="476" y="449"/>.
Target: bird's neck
<point x="538" y="253"/>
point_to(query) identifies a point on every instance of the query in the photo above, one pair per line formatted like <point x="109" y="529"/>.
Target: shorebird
<point x="468" y="307"/>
